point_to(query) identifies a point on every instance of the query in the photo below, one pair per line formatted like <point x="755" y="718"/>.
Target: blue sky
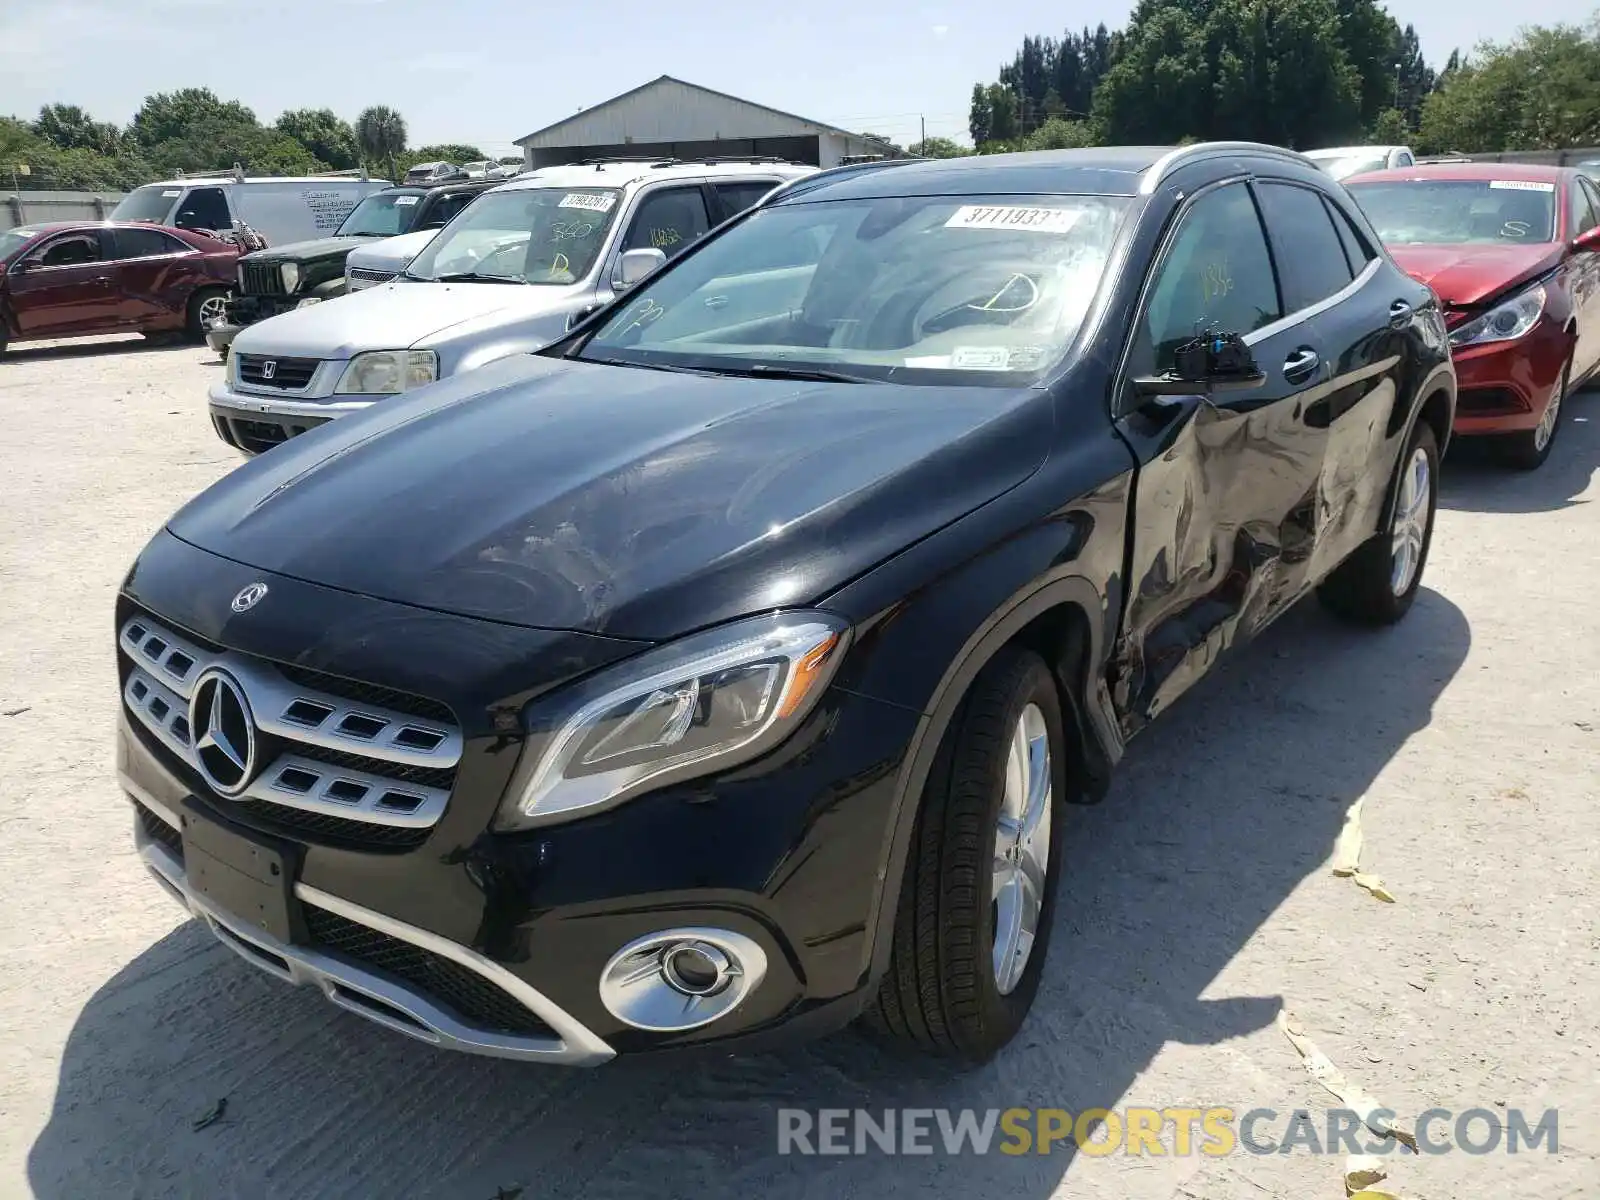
<point x="489" y="71"/>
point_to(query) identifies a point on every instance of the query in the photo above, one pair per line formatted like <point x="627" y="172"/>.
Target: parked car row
<point x="504" y="276"/>
<point x="674" y="683"/>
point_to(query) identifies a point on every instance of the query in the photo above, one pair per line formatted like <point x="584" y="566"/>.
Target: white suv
<point x="504" y="277"/>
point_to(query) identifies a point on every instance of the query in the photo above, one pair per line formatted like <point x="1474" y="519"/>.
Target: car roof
<point x="1347" y="151"/>
<point x="1465" y="171"/>
<point x="1095" y="171"/>
<point x="619" y="173"/>
<point x="63" y="226"/>
<point x="228" y="180"/>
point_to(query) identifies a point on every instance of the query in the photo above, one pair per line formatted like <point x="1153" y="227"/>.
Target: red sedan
<point x="1513" y="252"/>
<point x="64" y="279"/>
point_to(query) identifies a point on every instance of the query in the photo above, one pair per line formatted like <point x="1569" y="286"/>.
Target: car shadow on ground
<point x="21" y="352"/>
<point x="1218" y="813"/>
<point x="1473" y="481"/>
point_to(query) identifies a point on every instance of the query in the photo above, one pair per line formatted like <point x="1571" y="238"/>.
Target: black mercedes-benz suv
<point x="722" y="670"/>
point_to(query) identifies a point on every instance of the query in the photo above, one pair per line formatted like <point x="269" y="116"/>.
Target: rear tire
<point x="1379" y="582"/>
<point x="973" y="876"/>
<point x="1527" y="450"/>
<point x="205" y="306"/>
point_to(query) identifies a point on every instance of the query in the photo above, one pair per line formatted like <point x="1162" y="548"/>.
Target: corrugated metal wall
<point x="31" y="208"/>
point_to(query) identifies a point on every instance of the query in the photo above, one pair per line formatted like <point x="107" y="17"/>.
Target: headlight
<point x="291" y="276"/>
<point x="384" y="372"/>
<point x="1504" y="322"/>
<point x="705" y="703"/>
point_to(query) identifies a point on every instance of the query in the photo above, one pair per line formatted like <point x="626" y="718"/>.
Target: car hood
<point x="1464" y="276"/>
<point x="633" y="503"/>
<point x="391" y="253"/>
<point x="397" y="316"/>
<point x="298" y="252"/>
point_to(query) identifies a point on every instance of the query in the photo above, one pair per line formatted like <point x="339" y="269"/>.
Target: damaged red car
<point x="69" y="279"/>
<point x="1513" y="252"/>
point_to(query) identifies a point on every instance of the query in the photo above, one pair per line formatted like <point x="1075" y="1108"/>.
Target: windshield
<point x="926" y="289"/>
<point x="13" y="240"/>
<point x="530" y="235"/>
<point x="1452" y="212"/>
<point x="1341" y="168"/>
<point x="150" y="203"/>
<point x="384" y="214"/>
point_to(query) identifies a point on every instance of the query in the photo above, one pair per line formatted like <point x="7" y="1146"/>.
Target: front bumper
<point x="1504" y="387"/>
<point x="255" y="423"/>
<point x="380" y="997"/>
<point x="788" y="851"/>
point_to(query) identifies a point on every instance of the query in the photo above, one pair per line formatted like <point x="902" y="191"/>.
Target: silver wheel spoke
<point x="1021" y="848"/>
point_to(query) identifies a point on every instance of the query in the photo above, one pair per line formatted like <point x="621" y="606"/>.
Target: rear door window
<point x="144" y="243"/>
<point x="1310" y="253"/>
<point x="741" y="194"/>
<point x="1584" y="214"/>
<point x="1356" y="248"/>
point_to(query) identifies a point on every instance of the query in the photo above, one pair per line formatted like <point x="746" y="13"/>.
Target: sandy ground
<point x="1198" y="900"/>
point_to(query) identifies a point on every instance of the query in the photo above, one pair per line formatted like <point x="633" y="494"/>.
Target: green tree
<point x="1004" y="120"/>
<point x="1281" y="76"/>
<point x="1539" y="92"/>
<point x="451" y="152"/>
<point x="68" y="127"/>
<point x="1371" y="41"/>
<point x="324" y="135"/>
<point x="1160" y="86"/>
<point x="1058" y="133"/>
<point x="215" y="145"/>
<point x="381" y="134"/>
<point x="168" y="115"/>
<point x="937" y="147"/>
<point x="1414" y="78"/>
<point x="980" y="117"/>
<point x="1390" y="129"/>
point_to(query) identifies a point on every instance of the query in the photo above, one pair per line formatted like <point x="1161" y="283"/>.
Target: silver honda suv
<point x="504" y="277"/>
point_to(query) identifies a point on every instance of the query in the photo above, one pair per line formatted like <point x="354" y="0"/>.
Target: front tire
<point x="1527" y="450"/>
<point x="979" y="888"/>
<point x="1379" y="582"/>
<point x="206" y="306"/>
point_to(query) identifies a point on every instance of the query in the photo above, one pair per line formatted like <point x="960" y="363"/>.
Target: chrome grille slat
<point x="273" y="698"/>
<point x="160" y="685"/>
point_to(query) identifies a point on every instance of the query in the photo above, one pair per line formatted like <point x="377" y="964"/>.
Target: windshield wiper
<point x="815" y="374"/>
<point x="471" y="277"/>
<point x="646" y="366"/>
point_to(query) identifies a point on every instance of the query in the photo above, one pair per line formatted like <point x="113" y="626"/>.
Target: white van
<point x="281" y="209"/>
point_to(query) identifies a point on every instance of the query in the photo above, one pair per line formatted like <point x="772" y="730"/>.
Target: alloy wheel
<point x="1021" y="848"/>
<point x="1411" y="513"/>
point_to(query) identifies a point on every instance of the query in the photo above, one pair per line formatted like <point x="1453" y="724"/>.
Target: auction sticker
<point x="1005" y="216"/>
<point x="171" y="192"/>
<point x="405" y="201"/>
<point x="980" y="358"/>
<point x="1521" y="185"/>
<point x="592" y="201"/>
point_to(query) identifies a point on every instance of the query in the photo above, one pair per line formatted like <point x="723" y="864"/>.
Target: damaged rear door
<point x="1224" y="518"/>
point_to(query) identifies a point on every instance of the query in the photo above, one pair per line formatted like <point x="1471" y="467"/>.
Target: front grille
<point x="368" y="693"/>
<point x="326" y="830"/>
<point x="290" y="374"/>
<point x="350" y="770"/>
<point x="158" y="830"/>
<point x="472" y="997"/>
<point x="260" y="279"/>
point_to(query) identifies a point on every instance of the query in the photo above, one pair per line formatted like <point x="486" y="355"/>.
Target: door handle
<point x="715" y="302"/>
<point x="1301" y="365"/>
<point x="1399" y="314"/>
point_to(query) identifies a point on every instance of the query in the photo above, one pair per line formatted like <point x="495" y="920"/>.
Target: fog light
<point x="681" y="978"/>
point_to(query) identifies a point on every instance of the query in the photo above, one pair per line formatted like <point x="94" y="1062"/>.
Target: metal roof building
<point x="673" y="119"/>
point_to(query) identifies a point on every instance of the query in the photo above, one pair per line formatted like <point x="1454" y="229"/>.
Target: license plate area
<point x="243" y="874"/>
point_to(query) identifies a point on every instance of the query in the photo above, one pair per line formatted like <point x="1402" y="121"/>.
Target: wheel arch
<point x="1437" y="407"/>
<point x="1059" y="620"/>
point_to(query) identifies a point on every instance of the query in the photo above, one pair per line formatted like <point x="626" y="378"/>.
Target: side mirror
<point x="636" y="265"/>
<point x="1208" y="364"/>
<point x="1589" y="239"/>
<point x="578" y="315"/>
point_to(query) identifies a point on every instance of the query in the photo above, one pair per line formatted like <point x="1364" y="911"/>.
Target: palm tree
<point x="381" y="132"/>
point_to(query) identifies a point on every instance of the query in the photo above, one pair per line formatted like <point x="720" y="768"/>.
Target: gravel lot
<point x="1198" y="902"/>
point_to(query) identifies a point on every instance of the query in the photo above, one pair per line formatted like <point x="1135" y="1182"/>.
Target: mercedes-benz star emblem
<point x="224" y="732"/>
<point x="249" y="597"/>
<point x="269" y="369"/>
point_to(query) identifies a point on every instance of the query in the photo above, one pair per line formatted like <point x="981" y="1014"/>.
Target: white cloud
<point x="940" y="30"/>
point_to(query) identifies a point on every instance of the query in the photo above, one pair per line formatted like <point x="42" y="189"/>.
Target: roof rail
<point x="348" y="173"/>
<point x="1198" y="151"/>
<point x="741" y="158"/>
<point x="236" y="172"/>
<point x="806" y="183"/>
<point x="641" y="159"/>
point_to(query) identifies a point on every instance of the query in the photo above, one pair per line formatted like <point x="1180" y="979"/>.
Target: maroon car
<point x="65" y="279"/>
